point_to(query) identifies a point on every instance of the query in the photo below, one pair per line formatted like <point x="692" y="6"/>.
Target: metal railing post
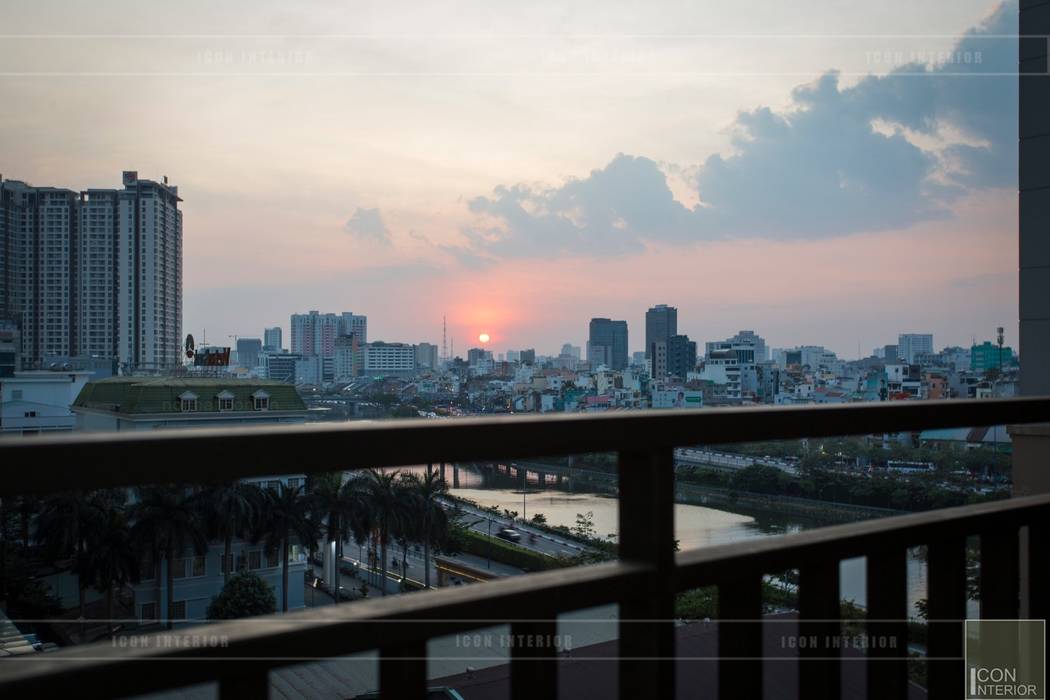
<point x="819" y="618"/>
<point x="403" y="671"/>
<point x="946" y="610"/>
<point x="647" y="642"/>
<point x="887" y="629"/>
<point x="533" y="660"/>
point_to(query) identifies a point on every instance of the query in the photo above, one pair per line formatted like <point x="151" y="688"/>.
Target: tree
<point x="167" y="520"/>
<point x="62" y="528"/>
<point x="286" y="515"/>
<point x="385" y="499"/>
<point x="230" y="510"/>
<point x="584" y="525"/>
<point x="111" y="560"/>
<point x="344" y="509"/>
<point x="434" y="525"/>
<point x="243" y="595"/>
<point x="539" y="519"/>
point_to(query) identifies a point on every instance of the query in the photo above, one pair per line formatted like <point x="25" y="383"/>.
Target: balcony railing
<point x="644" y="582"/>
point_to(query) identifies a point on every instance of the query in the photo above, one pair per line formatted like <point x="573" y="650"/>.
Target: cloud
<point x="840" y="160"/>
<point x="366" y="224"/>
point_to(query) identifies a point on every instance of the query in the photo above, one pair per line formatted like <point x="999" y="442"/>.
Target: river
<point x="695" y="526"/>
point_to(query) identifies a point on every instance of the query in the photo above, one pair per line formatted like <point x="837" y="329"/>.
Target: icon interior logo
<point x="1006" y="659"/>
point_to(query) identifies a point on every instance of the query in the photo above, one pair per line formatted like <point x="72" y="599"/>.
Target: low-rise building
<point x="146" y="403"/>
<point x="39" y="401"/>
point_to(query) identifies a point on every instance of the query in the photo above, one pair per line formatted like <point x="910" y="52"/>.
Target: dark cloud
<point x="368" y="225"/>
<point x="840" y="161"/>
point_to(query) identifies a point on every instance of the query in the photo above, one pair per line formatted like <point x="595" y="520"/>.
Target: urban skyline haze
<point x="799" y="185"/>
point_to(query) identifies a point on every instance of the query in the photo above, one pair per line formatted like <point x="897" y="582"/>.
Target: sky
<point x="835" y="173"/>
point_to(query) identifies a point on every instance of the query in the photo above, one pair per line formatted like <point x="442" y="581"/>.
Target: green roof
<point x="151" y="395"/>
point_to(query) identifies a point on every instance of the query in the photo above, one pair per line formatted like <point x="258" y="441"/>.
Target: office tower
<point x="397" y="359"/>
<point x="248" y="350"/>
<point x="272" y="341"/>
<point x="753" y="339"/>
<point x="681" y="356"/>
<point x="911" y="345"/>
<point x="94" y="273"/>
<point x="607" y="343"/>
<point x="527" y="357"/>
<point x="661" y="322"/>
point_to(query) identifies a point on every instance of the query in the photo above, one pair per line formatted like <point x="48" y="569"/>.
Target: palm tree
<point x="385" y="498"/>
<point x="433" y="521"/>
<point x="167" y="519"/>
<point x="230" y="511"/>
<point x="62" y="527"/>
<point x="285" y="516"/>
<point x="111" y="560"/>
<point x="344" y="507"/>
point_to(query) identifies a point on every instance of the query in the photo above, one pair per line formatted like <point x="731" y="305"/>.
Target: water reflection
<point x="695" y="526"/>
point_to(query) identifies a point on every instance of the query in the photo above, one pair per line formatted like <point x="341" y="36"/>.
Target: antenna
<point x="444" y="338"/>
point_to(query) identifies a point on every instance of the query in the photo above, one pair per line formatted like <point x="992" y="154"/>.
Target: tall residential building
<point x="314" y="333"/>
<point x="427" y="355"/>
<point x="272" y="340"/>
<point x="661" y="322"/>
<point x="349" y="359"/>
<point x="911" y="345"/>
<point x="355" y="325"/>
<point x="248" y="350"/>
<point x="571" y="350"/>
<point x="607" y="343"/>
<point x="94" y="273"/>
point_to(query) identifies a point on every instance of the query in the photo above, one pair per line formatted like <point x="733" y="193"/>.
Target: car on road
<point x="509" y="534"/>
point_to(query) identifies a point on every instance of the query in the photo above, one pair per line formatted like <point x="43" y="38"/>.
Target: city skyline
<point x="911" y="228"/>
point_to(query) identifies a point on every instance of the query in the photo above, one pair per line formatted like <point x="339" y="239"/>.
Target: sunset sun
<point x="483" y="338"/>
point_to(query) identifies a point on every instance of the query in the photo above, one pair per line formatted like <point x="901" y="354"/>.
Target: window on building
<point x="255" y="559"/>
<point x="187" y="405"/>
<point x="272" y="560"/>
<point x="148" y="612"/>
<point x="262" y="402"/>
<point x="178" y="610"/>
<point x="225" y="399"/>
<point x="198" y="566"/>
<point x="295" y="483"/>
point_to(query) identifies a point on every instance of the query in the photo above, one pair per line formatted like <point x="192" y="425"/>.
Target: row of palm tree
<point x="106" y="535"/>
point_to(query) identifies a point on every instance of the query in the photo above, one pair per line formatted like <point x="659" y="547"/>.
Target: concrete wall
<point x="1031" y="473"/>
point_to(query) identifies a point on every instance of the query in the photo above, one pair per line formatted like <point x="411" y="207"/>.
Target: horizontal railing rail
<point x="643" y="583"/>
<point x="98" y="460"/>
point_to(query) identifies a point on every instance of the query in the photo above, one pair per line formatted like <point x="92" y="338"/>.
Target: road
<point x="484" y="522"/>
